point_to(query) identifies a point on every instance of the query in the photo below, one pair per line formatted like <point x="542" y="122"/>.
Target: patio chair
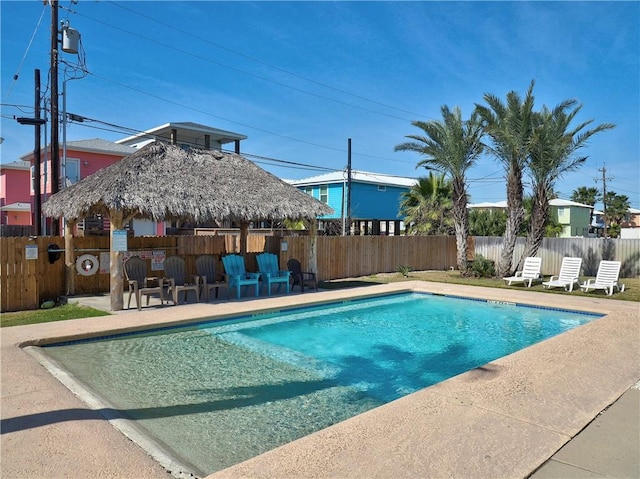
<point x="270" y="272"/>
<point x="135" y="271"/>
<point x="236" y="274"/>
<point x="206" y="269"/>
<point x="530" y="272"/>
<point x="606" y="278"/>
<point x="300" y="277"/>
<point x="568" y="276"/>
<point x="178" y="280"/>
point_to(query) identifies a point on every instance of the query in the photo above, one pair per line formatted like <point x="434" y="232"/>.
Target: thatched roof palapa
<point x="165" y="182"/>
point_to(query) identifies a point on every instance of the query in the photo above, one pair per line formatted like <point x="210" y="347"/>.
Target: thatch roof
<point x="164" y="182"/>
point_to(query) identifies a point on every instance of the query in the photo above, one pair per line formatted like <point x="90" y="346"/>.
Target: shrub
<point x="482" y="267"/>
<point x="404" y="270"/>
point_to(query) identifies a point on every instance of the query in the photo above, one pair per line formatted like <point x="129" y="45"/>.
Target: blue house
<point x="371" y="209"/>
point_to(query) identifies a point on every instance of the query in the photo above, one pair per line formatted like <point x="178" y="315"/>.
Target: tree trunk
<point x="116" y="281"/>
<point x="69" y="259"/>
<point x="244" y="233"/>
<point x="515" y="217"/>
<point x="313" y="245"/>
<point x="539" y="220"/>
<point x="461" y="223"/>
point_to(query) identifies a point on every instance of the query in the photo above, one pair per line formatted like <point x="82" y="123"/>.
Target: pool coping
<point x="503" y="419"/>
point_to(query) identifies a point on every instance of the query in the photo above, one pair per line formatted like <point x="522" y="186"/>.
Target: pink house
<point x="15" y="194"/>
<point x="85" y="157"/>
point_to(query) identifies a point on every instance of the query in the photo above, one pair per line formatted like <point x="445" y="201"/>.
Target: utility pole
<point x="603" y="170"/>
<point x="37" y="122"/>
<point x="349" y="186"/>
<point x="37" y="160"/>
<point x="55" y="142"/>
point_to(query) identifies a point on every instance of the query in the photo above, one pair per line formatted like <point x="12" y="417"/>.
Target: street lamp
<point x="31" y="121"/>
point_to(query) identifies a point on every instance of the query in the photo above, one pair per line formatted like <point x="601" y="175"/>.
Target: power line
<point x="261" y="62"/>
<point x="603" y="170"/>
<point x="122" y="129"/>
<point x="238" y="70"/>
<point x="211" y="114"/>
<point x="232" y="121"/>
<point x="197" y="110"/>
<point x="24" y="56"/>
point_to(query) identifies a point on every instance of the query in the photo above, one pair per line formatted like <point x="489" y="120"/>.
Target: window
<point x="564" y="215"/>
<point x="324" y="194"/>
<point x="308" y="190"/>
<point x="382" y="188"/>
<point x="72" y="172"/>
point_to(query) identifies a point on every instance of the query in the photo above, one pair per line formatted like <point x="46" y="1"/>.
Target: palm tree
<point x="553" y="148"/>
<point x="451" y="146"/>
<point x="509" y="125"/>
<point x="487" y="222"/>
<point x="617" y="211"/>
<point x="426" y="207"/>
<point x="587" y="195"/>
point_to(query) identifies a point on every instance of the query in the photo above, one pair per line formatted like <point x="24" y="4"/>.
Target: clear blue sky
<point x="300" y="78"/>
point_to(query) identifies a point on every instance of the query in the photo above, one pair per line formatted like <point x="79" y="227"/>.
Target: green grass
<point x="59" y="313"/>
<point x="631" y="292"/>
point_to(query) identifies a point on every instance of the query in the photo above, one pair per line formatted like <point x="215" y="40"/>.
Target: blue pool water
<point x="221" y="392"/>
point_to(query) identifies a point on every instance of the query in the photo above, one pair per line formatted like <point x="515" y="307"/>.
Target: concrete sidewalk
<point x="608" y="447"/>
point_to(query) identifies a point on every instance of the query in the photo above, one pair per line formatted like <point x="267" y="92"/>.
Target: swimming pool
<point x="216" y="394"/>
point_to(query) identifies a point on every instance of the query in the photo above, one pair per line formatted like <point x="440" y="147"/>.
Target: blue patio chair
<point x="271" y="273"/>
<point x="237" y="275"/>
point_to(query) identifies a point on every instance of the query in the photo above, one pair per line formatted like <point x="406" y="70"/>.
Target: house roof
<point x="560" y="202"/>
<point x="357" y="176"/>
<point x="554" y="202"/>
<point x="164" y="132"/>
<point x="100" y="146"/>
<point x="163" y="182"/>
<point x="17" y="207"/>
<point x="94" y="145"/>
<point x="488" y="204"/>
<point x="16" y="165"/>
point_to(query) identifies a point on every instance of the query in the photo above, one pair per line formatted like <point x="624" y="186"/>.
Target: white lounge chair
<point x="606" y="278"/>
<point x="530" y="272"/>
<point x="568" y="276"/>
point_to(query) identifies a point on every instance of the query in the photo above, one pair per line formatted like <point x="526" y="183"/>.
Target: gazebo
<point x="165" y="182"/>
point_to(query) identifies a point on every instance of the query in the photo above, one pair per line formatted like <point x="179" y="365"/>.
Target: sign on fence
<point x="119" y="242"/>
<point x="31" y="251"/>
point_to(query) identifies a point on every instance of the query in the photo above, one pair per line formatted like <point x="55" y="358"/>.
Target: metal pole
<point x="55" y="152"/>
<point x="45" y="174"/>
<point x="604" y="199"/>
<point x="63" y="165"/>
<point x="342" y="206"/>
<point x="349" y="186"/>
<point x="37" y="214"/>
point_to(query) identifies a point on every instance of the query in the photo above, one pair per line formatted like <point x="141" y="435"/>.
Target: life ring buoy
<point x="87" y="264"/>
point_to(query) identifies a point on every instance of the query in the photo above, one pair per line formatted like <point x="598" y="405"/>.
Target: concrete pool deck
<point x="509" y="418"/>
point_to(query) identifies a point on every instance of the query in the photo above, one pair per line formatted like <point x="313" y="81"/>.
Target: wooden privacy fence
<point x="350" y="256"/>
<point x="28" y="278"/>
<point x="552" y="250"/>
<point x="26" y="283"/>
